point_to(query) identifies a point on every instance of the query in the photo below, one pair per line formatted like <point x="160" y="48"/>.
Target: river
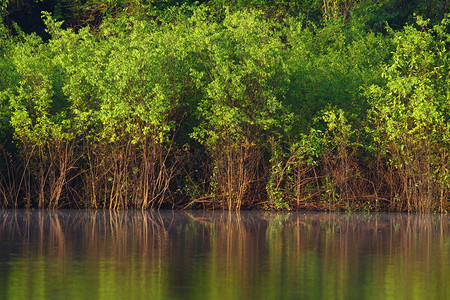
<point x="81" y="254"/>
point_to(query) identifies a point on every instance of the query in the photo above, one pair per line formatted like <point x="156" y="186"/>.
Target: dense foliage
<point x="339" y="104"/>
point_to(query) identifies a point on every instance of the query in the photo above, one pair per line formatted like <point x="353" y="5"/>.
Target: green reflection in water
<point x="222" y="255"/>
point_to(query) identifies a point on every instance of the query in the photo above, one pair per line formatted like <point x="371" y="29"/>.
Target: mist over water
<point x="222" y="255"/>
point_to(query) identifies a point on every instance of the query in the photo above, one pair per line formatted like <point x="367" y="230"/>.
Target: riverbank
<point x="269" y="107"/>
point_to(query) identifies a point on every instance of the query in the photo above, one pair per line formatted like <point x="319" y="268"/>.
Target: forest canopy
<point x="331" y="105"/>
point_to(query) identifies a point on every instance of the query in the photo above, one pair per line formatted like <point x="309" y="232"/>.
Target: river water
<point x="222" y="255"/>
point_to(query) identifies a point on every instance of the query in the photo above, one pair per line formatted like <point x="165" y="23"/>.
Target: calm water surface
<point x="223" y="255"/>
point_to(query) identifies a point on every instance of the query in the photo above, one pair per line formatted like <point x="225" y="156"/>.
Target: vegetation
<point x="337" y="105"/>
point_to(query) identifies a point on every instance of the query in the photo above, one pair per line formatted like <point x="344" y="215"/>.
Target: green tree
<point x="8" y="79"/>
<point x="409" y="118"/>
<point x="321" y="151"/>
<point x="40" y="120"/>
<point x="125" y="83"/>
<point x="240" y="109"/>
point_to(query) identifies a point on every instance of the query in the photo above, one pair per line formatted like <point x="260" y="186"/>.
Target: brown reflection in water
<point x="119" y="234"/>
<point x="40" y="231"/>
<point x="236" y="254"/>
<point x="58" y="235"/>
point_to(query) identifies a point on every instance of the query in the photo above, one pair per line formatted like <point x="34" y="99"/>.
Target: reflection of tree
<point x="102" y="249"/>
<point x="225" y="254"/>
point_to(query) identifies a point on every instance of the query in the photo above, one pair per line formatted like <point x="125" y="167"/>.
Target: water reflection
<point x="223" y="255"/>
